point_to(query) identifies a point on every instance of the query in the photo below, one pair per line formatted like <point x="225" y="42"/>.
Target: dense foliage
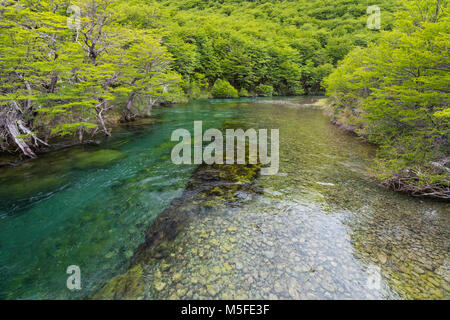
<point x="397" y="93"/>
<point x="260" y="47"/>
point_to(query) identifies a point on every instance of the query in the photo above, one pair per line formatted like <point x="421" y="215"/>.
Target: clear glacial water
<point x="319" y="229"/>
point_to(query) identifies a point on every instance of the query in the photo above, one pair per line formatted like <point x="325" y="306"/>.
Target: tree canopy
<point x="287" y="45"/>
<point x="66" y="75"/>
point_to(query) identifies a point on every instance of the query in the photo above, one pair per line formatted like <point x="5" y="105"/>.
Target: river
<point x="319" y="229"/>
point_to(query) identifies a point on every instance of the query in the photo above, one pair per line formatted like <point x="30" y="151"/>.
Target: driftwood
<point x="27" y="131"/>
<point x="407" y="181"/>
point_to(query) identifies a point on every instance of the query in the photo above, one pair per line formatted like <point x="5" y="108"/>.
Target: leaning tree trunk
<point x="12" y="125"/>
<point x="13" y="129"/>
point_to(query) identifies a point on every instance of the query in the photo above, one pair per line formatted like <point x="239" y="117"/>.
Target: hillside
<point x="260" y="47"/>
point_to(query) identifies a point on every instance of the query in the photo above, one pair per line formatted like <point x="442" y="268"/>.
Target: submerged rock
<point x="212" y="290"/>
<point x="97" y="159"/>
<point x="159" y="285"/>
<point x="127" y="286"/>
<point x="269" y="254"/>
<point x="382" y="257"/>
<point x="201" y="194"/>
<point x="30" y="187"/>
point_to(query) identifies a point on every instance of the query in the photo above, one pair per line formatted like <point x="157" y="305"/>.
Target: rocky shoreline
<point x="402" y="181"/>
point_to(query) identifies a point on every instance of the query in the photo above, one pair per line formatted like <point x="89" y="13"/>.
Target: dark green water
<point x="319" y="229"/>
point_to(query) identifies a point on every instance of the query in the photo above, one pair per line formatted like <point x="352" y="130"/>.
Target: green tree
<point x="56" y="80"/>
<point x="223" y="89"/>
<point x="396" y="92"/>
<point x="145" y="73"/>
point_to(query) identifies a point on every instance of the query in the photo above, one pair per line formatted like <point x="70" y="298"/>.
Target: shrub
<point x="244" y="93"/>
<point x="264" y="90"/>
<point x="223" y="89"/>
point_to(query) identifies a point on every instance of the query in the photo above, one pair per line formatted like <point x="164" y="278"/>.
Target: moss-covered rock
<point x="127" y="286"/>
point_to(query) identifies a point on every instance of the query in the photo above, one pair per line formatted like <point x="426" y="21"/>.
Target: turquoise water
<point x="319" y="229"/>
<point x="94" y="217"/>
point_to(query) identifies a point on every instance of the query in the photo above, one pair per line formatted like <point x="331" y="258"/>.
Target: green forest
<point x="74" y="69"/>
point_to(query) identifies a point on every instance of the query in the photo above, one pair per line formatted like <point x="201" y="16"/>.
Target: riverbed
<point x="320" y="228"/>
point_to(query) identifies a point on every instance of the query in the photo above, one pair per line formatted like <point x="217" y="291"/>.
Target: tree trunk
<point x="100" y="117"/>
<point x="151" y="103"/>
<point x="80" y="136"/>
<point x="128" y="113"/>
<point x="102" y="122"/>
<point x="53" y="82"/>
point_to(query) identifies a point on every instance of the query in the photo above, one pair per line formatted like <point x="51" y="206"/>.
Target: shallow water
<point x="318" y="229"/>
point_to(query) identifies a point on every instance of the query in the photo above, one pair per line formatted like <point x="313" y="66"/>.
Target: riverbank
<point x="402" y="103"/>
<point x="427" y="179"/>
<point x="11" y="159"/>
